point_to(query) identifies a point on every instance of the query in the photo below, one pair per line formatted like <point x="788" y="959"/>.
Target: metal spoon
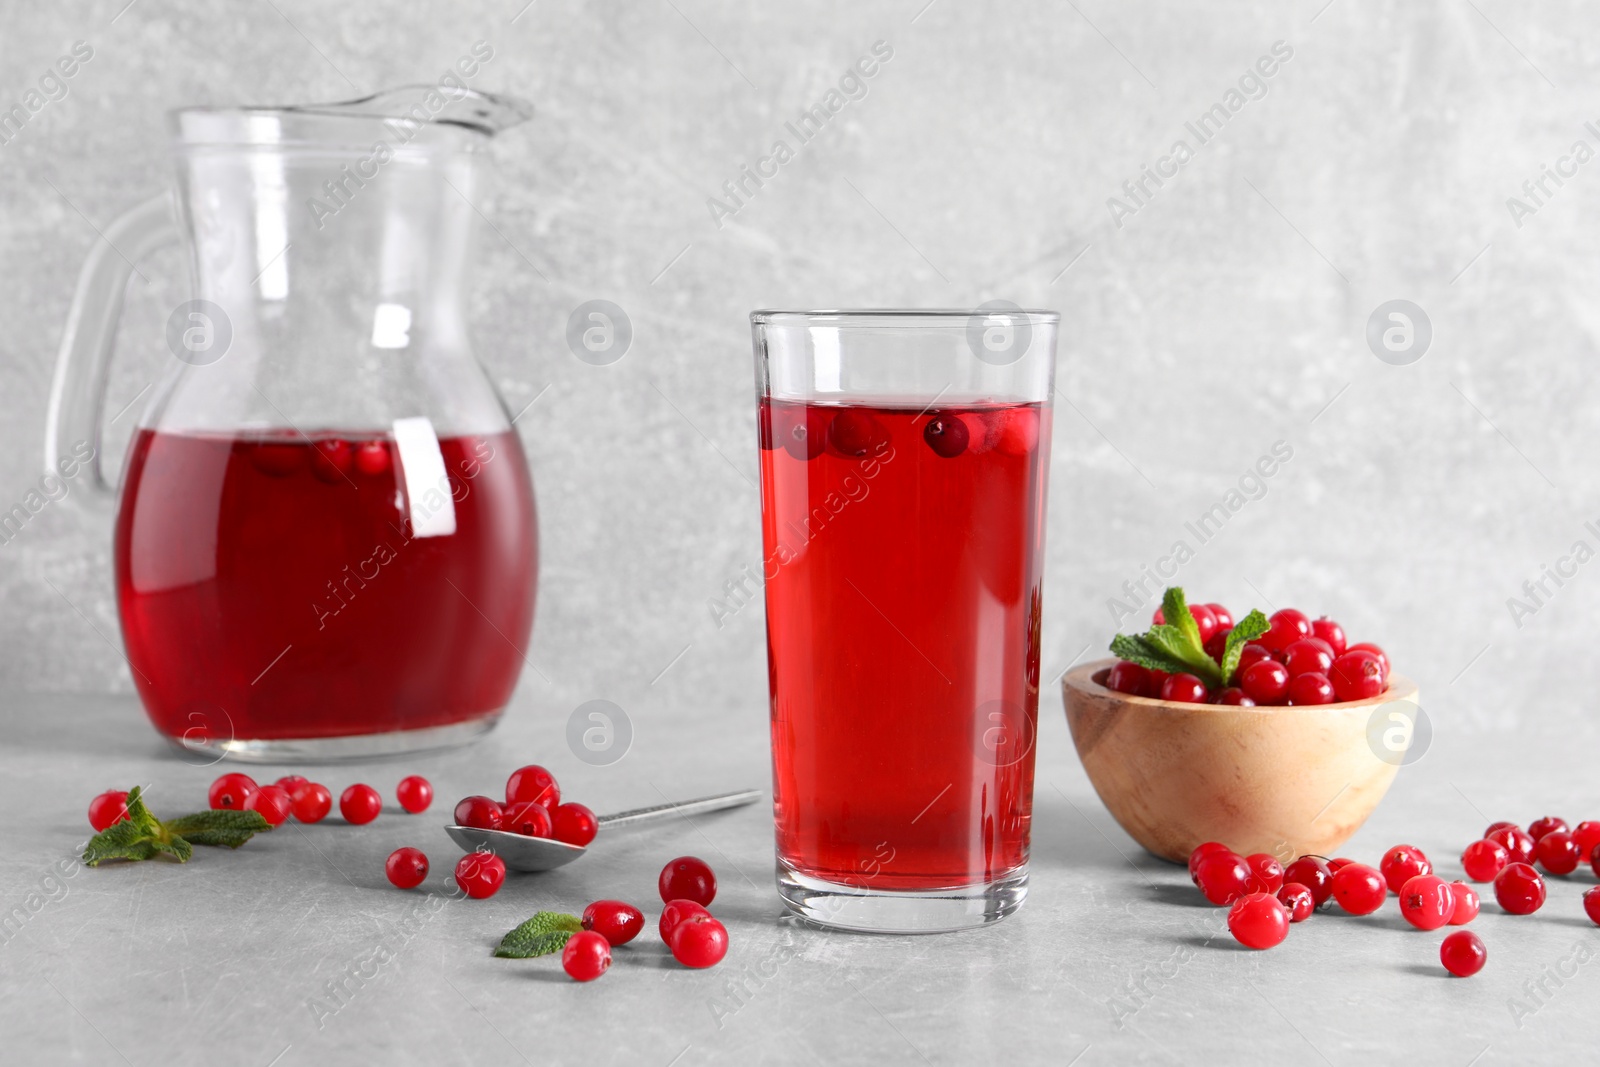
<point x="522" y="853"/>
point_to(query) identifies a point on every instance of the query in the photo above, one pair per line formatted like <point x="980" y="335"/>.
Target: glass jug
<point x="325" y="540"/>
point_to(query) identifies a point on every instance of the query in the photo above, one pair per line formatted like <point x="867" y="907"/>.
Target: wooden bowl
<point x="1287" y="781"/>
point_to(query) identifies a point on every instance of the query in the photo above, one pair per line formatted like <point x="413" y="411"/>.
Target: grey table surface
<point x="1113" y="958"/>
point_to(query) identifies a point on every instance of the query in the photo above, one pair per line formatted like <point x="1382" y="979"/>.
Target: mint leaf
<point x="1173" y="645"/>
<point x="1138" y="650"/>
<point x="139" y="815"/>
<point x="126" y="840"/>
<point x="541" y="935"/>
<point x="1244" y="631"/>
<point x="228" y="828"/>
<point x="1175" y="611"/>
<point x="1187" y="650"/>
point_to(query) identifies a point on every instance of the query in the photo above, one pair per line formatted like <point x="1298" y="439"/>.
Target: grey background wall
<point x="1228" y="312"/>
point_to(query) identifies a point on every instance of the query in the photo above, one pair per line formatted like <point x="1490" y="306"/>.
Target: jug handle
<point x="78" y="392"/>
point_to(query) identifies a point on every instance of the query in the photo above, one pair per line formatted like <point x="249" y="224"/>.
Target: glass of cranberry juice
<point x="904" y="462"/>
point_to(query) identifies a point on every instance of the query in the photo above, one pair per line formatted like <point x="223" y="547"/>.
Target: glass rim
<point x="901" y="318"/>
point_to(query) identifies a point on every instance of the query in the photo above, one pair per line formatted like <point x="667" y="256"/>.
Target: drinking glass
<point x="904" y="461"/>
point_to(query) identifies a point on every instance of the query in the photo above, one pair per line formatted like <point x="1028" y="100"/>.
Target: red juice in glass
<point x="902" y="544"/>
<point x="274" y="587"/>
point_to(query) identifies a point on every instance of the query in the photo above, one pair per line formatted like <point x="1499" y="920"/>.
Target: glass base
<point x="933" y="911"/>
<point x="340" y="749"/>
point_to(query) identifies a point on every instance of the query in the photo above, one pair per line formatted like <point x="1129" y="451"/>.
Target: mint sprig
<point x="1244" y="631"/>
<point x="546" y="932"/>
<point x="141" y="836"/>
<point x="1174" y="645"/>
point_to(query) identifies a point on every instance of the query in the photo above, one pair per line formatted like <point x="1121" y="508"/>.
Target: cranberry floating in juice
<point x="325" y="544"/>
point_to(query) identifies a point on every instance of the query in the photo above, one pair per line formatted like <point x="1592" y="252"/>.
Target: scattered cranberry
<point x="372" y="457"/>
<point x="1234" y="696"/>
<point x="1266" y="873"/>
<point x="406" y="867"/>
<point x="272" y="803"/>
<point x="1223" y="877"/>
<point x="1499" y="826"/>
<point x="1265" y="681"/>
<point x="1309" y="689"/>
<point x="527" y="818"/>
<point x="1518" y="845"/>
<point x="1201" y="851"/>
<point x="574" y="824"/>
<point x="1591" y="904"/>
<point x="480" y="813"/>
<point x="1130" y="678"/>
<point x="1463" y="954"/>
<point x="1183" y="688"/>
<point x="586" y="956"/>
<point x="1427" y="902"/>
<point x="1482" y="860"/>
<point x="108" y="809"/>
<point x="231" y="791"/>
<point x="311" y="802"/>
<point x="1558" y="852"/>
<point x="1313" y="873"/>
<point x="613" y="920"/>
<point x="946" y="434"/>
<point x="414" y="793"/>
<point x="533" y="784"/>
<point x="688" y="878"/>
<point x="1357" y="675"/>
<point x="699" y="941"/>
<point x="1332" y="633"/>
<point x="1223" y="616"/>
<point x="1297" y="900"/>
<point x="1467" y="904"/>
<point x="674" y="913"/>
<point x="1383" y="657"/>
<point x="1403" y="863"/>
<point x="1307" y="656"/>
<point x="1586" y="835"/>
<point x="1204" y="621"/>
<point x="1519" y="889"/>
<point x="1594" y="860"/>
<point x="290" y="782"/>
<point x="1258" y="920"/>
<point x="360" y="804"/>
<point x="1359" y="889"/>
<point x="1285" y="627"/>
<point x="1547" y="825"/>
<point x="1335" y="864"/>
<point x="480" y="874"/>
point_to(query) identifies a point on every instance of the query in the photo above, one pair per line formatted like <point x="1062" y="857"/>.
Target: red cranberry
<point x="406" y="867"/>
<point x="290" y="782"/>
<point x="574" y="824"/>
<point x="372" y="457"/>
<point x="980" y="438"/>
<point x="1463" y="954"/>
<point x="1594" y="860"/>
<point x="271" y="803"/>
<point x="1266" y="873"/>
<point x="527" y="818"/>
<point x="1184" y="689"/>
<point x="1018" y="431"/>
<point x="311" y="802"/>
<point x="688" y="878"/>
<point x="1330" y="632"/>
<point x="1383" y="657"/>
<point x="360" y="804"/>
<point x="1591" y="904"/>
<point x="1234" y="696"/>
<point x="1403" y="863"/>
<point x="1201" y="851"/>
<point x="586" y="956"/>
<point x="480" y="874"/>
<point x="1258" y="921"/>
<point x="1309" y="689"/>
<point x="1482" y="860"/>
<point x="1223" y="877"/>
<point x="1335" y="864"/>
<point x="1499" y="826"/>
<point x="614" y="920"/>
<point x="1427" y="902"/>
<point x="1204" y="621"/>
<point x="1586" y="835"/>
<point x="855" y="432"/>
<point x="1285" y="627"/>
<point x="1357" y="675"/>
<point x="1313" y="873"/>
<point x="231" y="791"/>
<point x="1547" y="825"/>
<point x="1519" y="889"/>
<point x="699" y="941"/>
<point x="1249" y="656"/>
<point x="1223" y="616"/>
<point x="946" y="434"/>
<point x="480" y="813"/>
<point x="1518" y="845"/>
<point x="675" y="912"/>
<point x="533" y="784"/>
<point x="1359" y="889"/>
<point x="802" y="430"/>
<point x="1130" y="678"/>
<point x="1307" y="656"/>
<point x="1297" y="900"/>
<point x="332" y="460"/>
<point x="108" y="809"/>
<point x="1467" y="904"/>
<point x="1558" y="852"/>
<point x="414" y="793"/>
<point x="1217" y="645"/>
<point x="1158" y="618"/>
<point x="1265" y="682"/>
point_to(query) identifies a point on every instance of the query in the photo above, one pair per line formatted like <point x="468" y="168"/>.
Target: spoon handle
<point x="682" y="807"/>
